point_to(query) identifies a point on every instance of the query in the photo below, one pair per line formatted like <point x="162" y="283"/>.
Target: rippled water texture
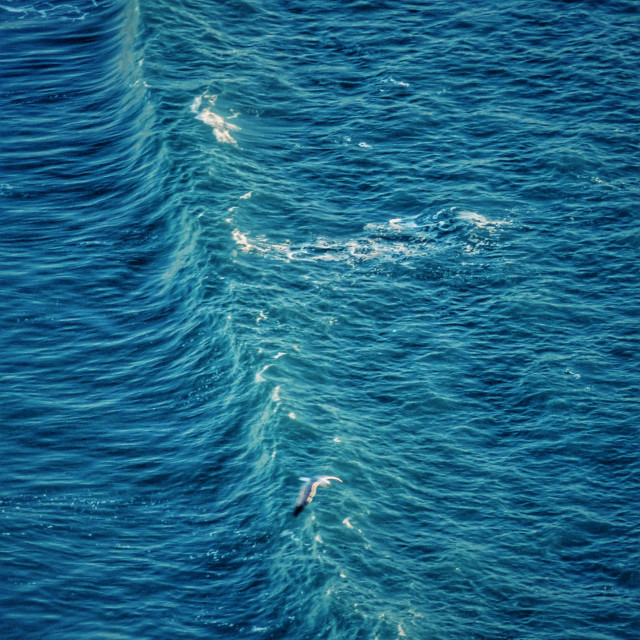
<point x="245" y="242"/>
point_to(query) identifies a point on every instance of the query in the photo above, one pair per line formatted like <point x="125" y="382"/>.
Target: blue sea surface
<point x="247" y="241"/>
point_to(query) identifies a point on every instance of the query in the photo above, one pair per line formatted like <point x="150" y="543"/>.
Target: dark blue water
<point x="248" y="241"/>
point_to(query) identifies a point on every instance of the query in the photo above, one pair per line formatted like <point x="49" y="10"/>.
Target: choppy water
<point x="247" y="241"/>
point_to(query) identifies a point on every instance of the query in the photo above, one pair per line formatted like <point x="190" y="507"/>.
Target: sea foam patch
<point x="395" y="240"/>
<point x="221" y="128"/>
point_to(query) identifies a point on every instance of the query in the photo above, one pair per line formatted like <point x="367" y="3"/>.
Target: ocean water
<point x="247" y="241"/>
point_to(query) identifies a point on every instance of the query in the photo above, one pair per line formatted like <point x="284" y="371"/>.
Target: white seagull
<point x="309" y="490"/>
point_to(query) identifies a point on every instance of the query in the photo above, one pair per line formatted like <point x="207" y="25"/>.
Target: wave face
<point x="248" y="241"/>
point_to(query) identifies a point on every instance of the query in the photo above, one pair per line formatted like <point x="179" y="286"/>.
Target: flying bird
<point x="309" y="490"/>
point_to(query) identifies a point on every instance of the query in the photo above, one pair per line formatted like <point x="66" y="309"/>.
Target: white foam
<point x="221" y="127"/>
<point x="259" y="377"/>
<point x="391" y="241"/>
<point x="479" y="220"/>
<point x="195" y="105"/>
<point x="399" y="83"/>
<point x="243" y="242"/>
<point x="324" y="250"/>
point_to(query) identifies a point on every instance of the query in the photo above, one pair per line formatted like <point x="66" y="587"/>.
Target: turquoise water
<point x="248" y="241"/>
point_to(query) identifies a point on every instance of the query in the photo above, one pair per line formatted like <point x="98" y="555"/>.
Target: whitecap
<point x="479" y="220"/>
<point x="399" y="83"/>
<point x="195" y="105"/>
<point x="221" y="127"/>
<point x="243" y="242"/>
<point x="396" y="240"/>
<point x="259" y="377"/>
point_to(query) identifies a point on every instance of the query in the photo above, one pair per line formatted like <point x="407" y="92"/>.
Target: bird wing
<point x="302" y="497"/>
<point x="312" y="492"/>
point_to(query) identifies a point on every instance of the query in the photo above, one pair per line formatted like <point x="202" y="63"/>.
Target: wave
<point x="61" y="12"/>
